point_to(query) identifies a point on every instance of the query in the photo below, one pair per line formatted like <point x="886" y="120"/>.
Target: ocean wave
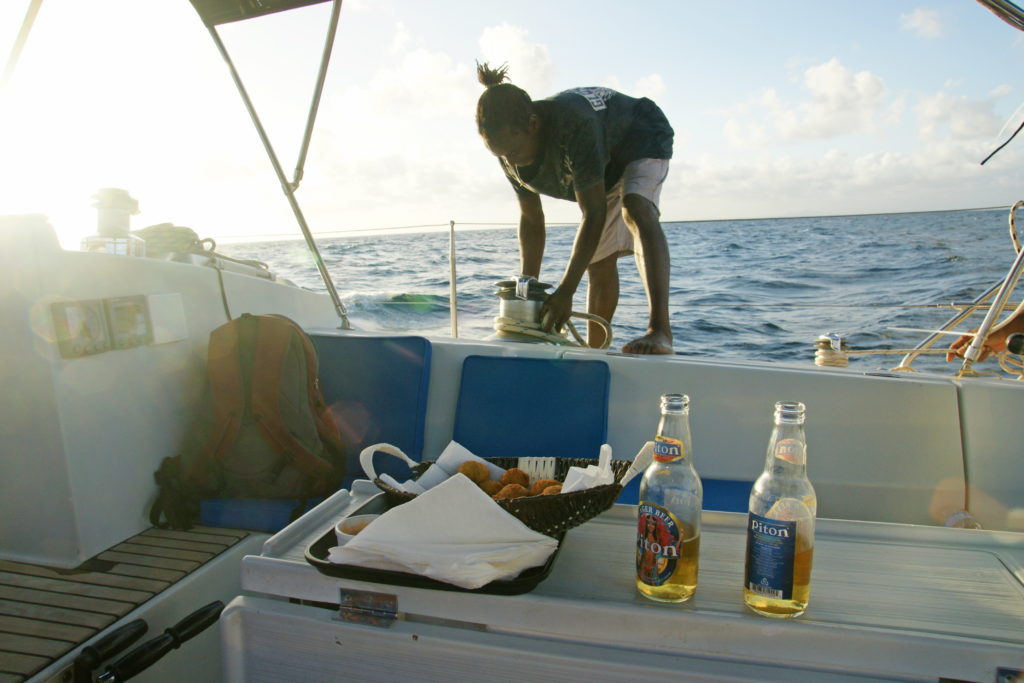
<point x="831" y="273"/>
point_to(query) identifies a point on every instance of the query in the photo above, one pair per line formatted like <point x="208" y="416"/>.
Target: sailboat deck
<point x="46" y="613"/>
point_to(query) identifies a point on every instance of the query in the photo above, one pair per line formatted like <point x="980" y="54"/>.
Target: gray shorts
<point x="643" y="177"/>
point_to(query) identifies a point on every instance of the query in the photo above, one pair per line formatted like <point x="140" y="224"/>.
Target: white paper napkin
<point x="454" y="454"/>
<point x="579" y="478"/>
<point x="454" y="532"/>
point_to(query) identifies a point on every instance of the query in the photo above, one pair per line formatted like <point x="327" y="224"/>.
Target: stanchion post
<point x="452" y="298"/>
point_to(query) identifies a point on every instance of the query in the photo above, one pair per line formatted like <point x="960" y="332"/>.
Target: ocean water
<point x="740" y="289"/>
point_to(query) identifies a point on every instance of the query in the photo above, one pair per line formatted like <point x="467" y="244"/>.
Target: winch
<point x="521" y="299"/>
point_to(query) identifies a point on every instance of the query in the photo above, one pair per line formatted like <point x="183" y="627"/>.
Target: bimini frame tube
<point x="287" y="187"/>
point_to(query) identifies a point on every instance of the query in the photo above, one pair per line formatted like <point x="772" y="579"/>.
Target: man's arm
<point x="558" y="307"/>
<point x="531" y="234"/>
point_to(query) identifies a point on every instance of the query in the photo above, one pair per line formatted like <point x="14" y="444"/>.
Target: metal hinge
<point x="367" y="608"/>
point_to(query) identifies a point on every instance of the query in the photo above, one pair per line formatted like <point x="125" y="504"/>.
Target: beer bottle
<point x="668" y="520"/>
<point x="780" y="524"/>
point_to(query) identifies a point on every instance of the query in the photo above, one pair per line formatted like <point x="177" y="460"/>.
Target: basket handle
<point x="366" y="457"/>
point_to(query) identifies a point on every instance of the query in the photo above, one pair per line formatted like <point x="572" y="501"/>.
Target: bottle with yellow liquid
<point x="668" y="520"/>
<point x="780" y="525"/>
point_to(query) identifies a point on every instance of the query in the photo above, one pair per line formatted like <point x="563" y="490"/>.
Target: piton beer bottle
<point x="780" y="524"/>
<point x="668" y="520"/>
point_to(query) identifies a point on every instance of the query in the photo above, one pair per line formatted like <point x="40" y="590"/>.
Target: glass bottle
<point x="780" y="525"/>
<point x="668" y="520"/>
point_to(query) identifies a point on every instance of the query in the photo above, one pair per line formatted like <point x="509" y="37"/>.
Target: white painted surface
<point x="887" y="601"/>
<point x="80" y="438"/>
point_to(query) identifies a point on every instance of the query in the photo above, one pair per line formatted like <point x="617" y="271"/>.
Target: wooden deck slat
<point x="169" y="575"/>
<point x="149" y="561"/>
<point x="61" y="615"/>
<point x="73" y="588"/>
<point x="45" y="629"/>
<point x="95" y="577"/>
<point x="17" y="663"/>
<point x="199" y="546"/>
<point x="33" y="645"/>
<point x="75" y="602"/>
<point x="220" y="539"/>
<point x="46" y="613"/>
<point x="237" y="534"/>
<point x="170" y="553"/>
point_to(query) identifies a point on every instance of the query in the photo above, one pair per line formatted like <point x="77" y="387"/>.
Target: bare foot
<point x="650" y="344"/>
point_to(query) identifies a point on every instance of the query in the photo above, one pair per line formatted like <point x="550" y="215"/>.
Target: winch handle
<point x="366" y="457"/>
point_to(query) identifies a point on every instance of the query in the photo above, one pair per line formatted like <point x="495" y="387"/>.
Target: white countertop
<point x="927" y="601"/>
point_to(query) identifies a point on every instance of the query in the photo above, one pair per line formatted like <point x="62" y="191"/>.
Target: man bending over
<point x="609" y="153"/>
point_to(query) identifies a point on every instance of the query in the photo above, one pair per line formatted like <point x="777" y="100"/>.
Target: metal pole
<point x="948" y="325"/>
<point x="19" y="42"/>
<point x="452" y="299"/>
<point x="332" y="29"/>
<point x="285" y="185"/>
<point x="974" y="350"/>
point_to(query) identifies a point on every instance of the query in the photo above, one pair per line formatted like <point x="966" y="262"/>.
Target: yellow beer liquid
<point x="681" y="586"/>
<point x="785" y="609"/>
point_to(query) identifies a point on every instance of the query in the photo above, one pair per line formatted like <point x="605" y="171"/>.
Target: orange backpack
<point x="263" y="429"/>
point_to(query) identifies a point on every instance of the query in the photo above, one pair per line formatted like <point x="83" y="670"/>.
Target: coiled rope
<point x="532" y="329"/>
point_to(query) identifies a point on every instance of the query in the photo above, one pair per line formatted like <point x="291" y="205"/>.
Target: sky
<point x="788" y="108"/>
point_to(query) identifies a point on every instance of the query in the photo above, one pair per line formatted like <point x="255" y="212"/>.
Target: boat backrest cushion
<point x="514" y="407"/>
<point x="376" y="388"/>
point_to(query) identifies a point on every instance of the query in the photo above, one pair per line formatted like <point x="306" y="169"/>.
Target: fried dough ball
<point x="541" y="484"/>
<point x="491" y="487"/>
<point x="476" y="471"/>
<point x="552" y="490"/>
<point x="511" y="491"/>
<point x="516" y="476"/>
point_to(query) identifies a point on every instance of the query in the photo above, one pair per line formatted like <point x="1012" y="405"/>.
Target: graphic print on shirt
<point x="598" y="97"/>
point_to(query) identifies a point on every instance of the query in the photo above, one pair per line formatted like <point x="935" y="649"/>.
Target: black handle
<point x="151" y="651"/>
<point x="106" y="647"/>
<point x="196" y="623"/>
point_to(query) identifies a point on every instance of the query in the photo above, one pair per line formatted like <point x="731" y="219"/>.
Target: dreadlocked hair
<point x="502" y="104"/>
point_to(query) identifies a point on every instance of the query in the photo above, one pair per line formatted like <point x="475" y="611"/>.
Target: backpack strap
<point x="224" y="373"/>
<point x="326" y="426"/>
<point x="272" y="342"/>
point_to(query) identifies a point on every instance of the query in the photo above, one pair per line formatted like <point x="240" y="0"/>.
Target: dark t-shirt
<point x="588" y="135"/>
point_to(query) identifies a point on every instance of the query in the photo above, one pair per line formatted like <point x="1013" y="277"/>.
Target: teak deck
<point x="46" y="613"/>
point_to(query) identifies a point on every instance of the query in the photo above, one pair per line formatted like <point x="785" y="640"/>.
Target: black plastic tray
<point x="318" y="551"/>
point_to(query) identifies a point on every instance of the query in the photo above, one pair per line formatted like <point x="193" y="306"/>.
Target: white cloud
<point x="651" y="86"/>
<point x="529" y="63"/>
<point x="942" y="116"/>
<point x="422" y="84"/>
<point x="923" y="22"/>
<point x="838" y="102"/>
<point x="1000" y="91"/>
<point x="402" y="38"/>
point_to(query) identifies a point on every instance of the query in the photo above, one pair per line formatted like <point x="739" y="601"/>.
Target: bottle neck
<point x="787" y="449"/>
<point x="674" y="428"/>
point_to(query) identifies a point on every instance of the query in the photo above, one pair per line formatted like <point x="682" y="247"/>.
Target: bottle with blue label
<point x="780" y="525"/>
<point x="668" y="519"/>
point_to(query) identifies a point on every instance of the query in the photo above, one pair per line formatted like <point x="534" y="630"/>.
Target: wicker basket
<point x="551" y="515"/>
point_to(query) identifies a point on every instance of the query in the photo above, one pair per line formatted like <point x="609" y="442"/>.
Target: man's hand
<point x="995" y="343"/>
<point x="556" y="310"/>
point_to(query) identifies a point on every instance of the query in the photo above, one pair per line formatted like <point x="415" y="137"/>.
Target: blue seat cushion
<point x="376" y="388"/>
<point x="515" y="407"/>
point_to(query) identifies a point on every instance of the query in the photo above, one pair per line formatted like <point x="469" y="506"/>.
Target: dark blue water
<point x="746" y="289"/>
